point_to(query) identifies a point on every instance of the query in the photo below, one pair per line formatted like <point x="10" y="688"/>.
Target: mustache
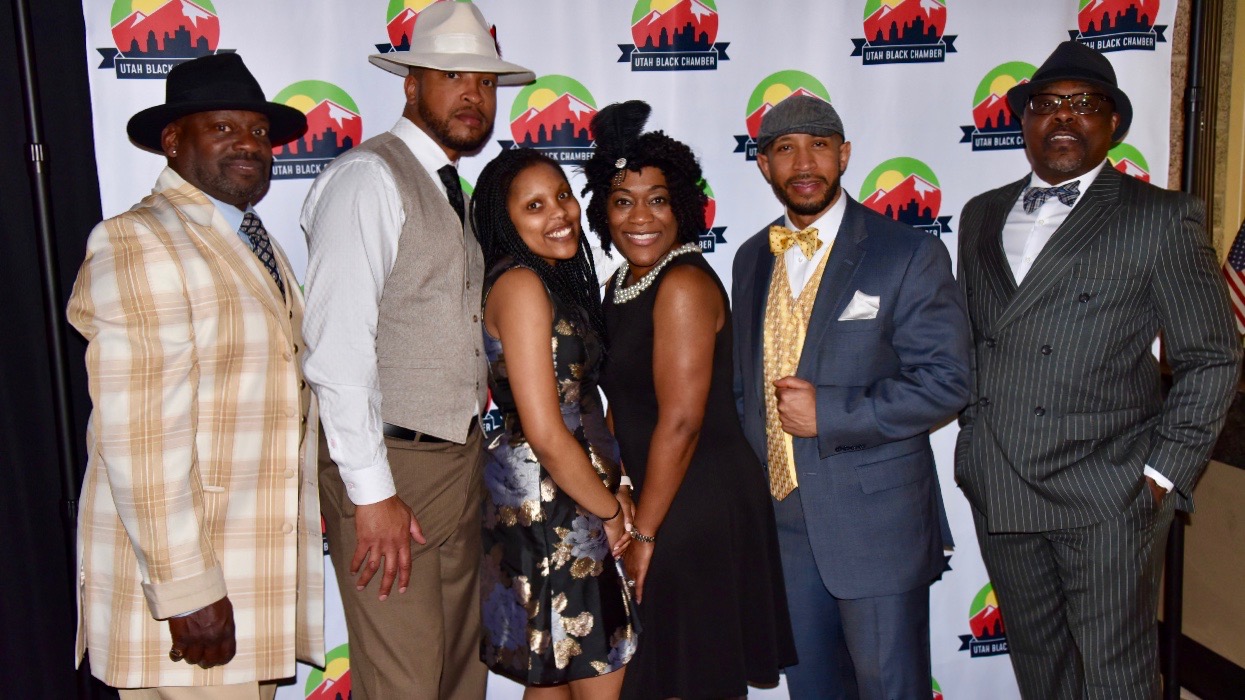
<point x="806" y="178"/>
<point x="242" y="158"/>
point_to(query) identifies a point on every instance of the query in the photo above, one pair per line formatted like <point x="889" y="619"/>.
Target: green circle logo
<point x="165" y="28"/>
<point x="1128" y="160"/>
<point x="334" y="681"/>
<point x="990" y="109"/>
<point x="555" y="111"/>
<point x="775" y="89"/>
<point x="904" y="189"/>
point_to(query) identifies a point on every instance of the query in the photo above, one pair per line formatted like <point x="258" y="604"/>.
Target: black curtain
<point x="37" y="597"/>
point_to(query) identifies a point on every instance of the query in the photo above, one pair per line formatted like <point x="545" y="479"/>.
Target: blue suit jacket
<point x="867" y="480"/>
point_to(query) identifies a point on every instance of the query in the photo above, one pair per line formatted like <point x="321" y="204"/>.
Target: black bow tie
<point x="1037" y="196"/>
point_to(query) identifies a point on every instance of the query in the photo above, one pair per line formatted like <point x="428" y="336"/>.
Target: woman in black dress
<point x="704" y="550"/>
<point x="555" y="609"/>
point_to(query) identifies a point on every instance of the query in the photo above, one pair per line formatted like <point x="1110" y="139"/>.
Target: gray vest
<point x="429" y="346"/>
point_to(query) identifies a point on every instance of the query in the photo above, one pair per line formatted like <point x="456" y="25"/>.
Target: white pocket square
<point x="862" y="307"/>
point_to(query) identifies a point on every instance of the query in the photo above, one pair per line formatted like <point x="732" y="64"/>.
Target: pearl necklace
<point x="622" y="294"/>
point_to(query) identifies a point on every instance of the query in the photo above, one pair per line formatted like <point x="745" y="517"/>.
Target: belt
<point x="397" y="432"/>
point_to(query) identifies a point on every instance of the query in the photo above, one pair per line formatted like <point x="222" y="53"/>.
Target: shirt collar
<point x="232" y="215"/>
<point x="1085" y="180"/>
<point x="828" y="223"/>
<point x="427" y="151"/>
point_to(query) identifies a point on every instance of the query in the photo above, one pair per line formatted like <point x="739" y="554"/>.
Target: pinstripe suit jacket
<point x="201" y="470"/>
<point x="1066" y="409"/>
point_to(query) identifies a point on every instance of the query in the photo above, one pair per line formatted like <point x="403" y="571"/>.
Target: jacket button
<point x="302" y="384"/>
<point x="477" y="352"/>
<point x="287" y="357"/>
<point x="475" y="318"/>
<point x="1046" y="350"/>
<point x="1039" y="411"/>
<point x="1083" y="298"/>
<point x="985" y="401"/>
<point x="990" y="342"/>
<point x="287" y="528"/>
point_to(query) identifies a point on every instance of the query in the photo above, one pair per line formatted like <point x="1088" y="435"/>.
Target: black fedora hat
<point x="1072" y="60"/>
<point x="207" y="84"/>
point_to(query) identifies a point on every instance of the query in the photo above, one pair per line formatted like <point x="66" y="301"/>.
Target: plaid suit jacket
<point x="201" y="469"/>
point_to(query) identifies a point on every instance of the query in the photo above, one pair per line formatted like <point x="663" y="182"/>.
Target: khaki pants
<point x="424" y="643"/>
<point x="237" y="691"/>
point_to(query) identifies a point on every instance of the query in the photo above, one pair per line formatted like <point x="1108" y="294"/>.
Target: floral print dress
<point x="554" y="605"/>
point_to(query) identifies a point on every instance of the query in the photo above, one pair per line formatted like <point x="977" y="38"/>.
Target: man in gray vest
<point x="394" y="355"/>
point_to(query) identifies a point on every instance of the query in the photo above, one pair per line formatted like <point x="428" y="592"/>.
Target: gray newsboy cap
<point x="800" y="114"/>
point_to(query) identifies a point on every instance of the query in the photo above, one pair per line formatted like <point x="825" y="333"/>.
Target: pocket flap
<point x="894" y="472"/>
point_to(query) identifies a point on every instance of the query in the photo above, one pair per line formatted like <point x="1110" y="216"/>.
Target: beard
<point x="440" y="129"/>
<point x="217" y="180"/>
<point x="806" y="207"/>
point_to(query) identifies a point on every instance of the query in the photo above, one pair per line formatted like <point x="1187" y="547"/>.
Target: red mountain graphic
<point x="993" y="114"/>
<point x="554" y="117"/>
<point x="1118" y="12"/>
<point x="675" y="19"/>
<point x="400" y="27"/>
<point x="912" y="189"/>
<point x="754" y="119"/>
<point x="910" y="14"/>
<point x="987" y="624"/>
<point x="325" y="116"/>
<point x="331" y="689"/>
<point x="1128" y="167"/>
<point x="133" y="33"/>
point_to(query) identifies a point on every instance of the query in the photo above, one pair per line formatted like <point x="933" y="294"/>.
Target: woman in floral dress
<point x="556" y="612"/>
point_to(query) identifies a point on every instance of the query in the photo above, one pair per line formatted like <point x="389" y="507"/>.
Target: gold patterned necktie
<point x="781" y="238"/>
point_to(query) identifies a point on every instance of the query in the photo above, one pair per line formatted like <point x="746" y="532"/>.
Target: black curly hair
<point x="571" y="281"/>
<point x="616" y="130"/>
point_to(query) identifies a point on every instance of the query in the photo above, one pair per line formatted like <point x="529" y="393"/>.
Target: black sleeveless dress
<point x="553" y="602"/>
<point x="715" y="610"/>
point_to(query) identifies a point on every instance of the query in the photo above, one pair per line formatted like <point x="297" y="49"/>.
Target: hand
<point x="383" y="531"/>
<point x="204" y="637"/>
<point x="628" y="506"/>
<point x="616" y="533"/>
<point x="797" y="406"/>
<point x="636" y="564"/>
<point x="1157" y="491"/>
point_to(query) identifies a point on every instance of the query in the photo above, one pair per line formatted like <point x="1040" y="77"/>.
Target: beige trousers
<point x="424" y="643"/>
<point x="237" y="691"/>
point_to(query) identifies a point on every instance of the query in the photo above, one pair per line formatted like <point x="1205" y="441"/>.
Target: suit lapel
<point x="836" y="281"/>
<point x="994" y="265"/>
<point x="195" y="208"/>
<point x="760" y="281"/>
<point x="1087" y="220"/>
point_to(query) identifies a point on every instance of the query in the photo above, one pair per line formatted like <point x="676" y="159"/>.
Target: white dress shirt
<point x="799" y="268"/>
<point x="353" y="219"/>
<point x="1025" y="235"/>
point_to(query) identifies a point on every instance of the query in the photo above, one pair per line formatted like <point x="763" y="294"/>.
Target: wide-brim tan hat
<point x="453" y="36"/>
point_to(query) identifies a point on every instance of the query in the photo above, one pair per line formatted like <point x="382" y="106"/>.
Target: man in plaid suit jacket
<point x="199" y="535"/>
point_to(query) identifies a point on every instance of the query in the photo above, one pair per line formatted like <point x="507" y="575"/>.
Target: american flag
<point x="1234" y="270"/>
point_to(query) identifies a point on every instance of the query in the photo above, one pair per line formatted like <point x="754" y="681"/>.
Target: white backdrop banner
<point x="919" y="84"/>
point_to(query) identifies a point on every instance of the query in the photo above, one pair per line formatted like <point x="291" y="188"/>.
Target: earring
<point x="173" y="152"/>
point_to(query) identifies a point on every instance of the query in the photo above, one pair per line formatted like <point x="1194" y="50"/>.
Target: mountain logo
<point x="674" y="35"/>
<point x="937" y="689"/>
<point x="713" y="235"/>
<point x="152" y="36"/>
<point x="1129" y="161"/>
<point x="904" y="31"/>
<point x="906" y="190"/>
<point x="769" y="93"/>
<point x="333" y="127"/>
<point x="553" y="115"/>
<point x="988" y="637"/>
<point x="333" y="683"/>
<point x="994" y="127"/>
<point x="400" y="19"/>
<point x="1118" y="25"/>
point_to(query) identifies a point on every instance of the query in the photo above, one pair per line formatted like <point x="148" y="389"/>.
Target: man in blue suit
<point x="851" y="343"/>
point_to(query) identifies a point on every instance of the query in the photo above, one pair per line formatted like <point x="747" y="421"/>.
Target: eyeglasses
<point x="1084" y="103"/>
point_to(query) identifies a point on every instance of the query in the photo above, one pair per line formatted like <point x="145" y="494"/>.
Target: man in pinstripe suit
<point x="1070" y="455"/>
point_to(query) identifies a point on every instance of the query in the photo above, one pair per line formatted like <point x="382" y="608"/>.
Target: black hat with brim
<point x="1072" y="60"/>
<point x="207" y="84"/>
